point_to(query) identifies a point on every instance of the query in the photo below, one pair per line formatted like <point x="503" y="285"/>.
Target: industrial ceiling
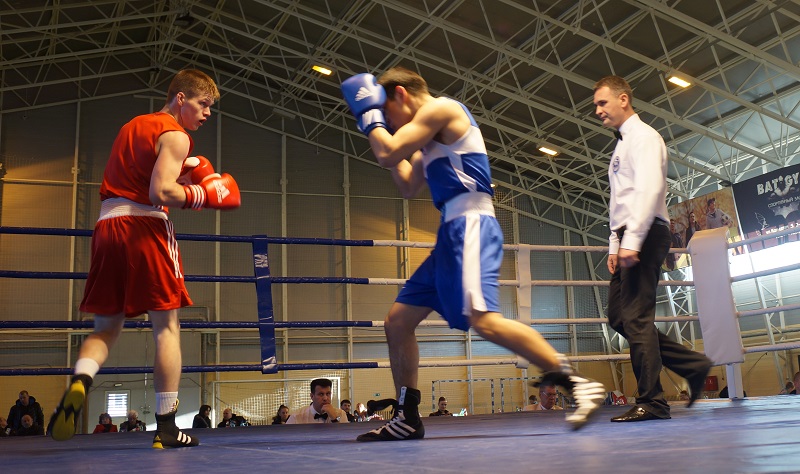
<point x="524" y="67"/>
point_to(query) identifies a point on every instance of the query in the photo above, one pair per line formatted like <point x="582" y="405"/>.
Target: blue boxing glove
<point x="366" y="99"/>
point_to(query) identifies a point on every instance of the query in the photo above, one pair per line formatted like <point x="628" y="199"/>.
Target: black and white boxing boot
<point x="406" y="423"/>
<point x="168" y="435"/>
<point x="588" y="394"/>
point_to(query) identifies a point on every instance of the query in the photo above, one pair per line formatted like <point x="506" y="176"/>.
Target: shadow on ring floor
<point x="753" y="435"/>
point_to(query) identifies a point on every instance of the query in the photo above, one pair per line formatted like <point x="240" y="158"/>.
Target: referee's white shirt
<point x="638" y="177"/>
<point x="306" y="416"/>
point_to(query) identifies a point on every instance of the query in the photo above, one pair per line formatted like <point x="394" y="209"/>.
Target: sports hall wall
<point x="293" y="184"/>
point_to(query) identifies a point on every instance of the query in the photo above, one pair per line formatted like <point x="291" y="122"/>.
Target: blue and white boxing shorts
<point x="461" y="272"/>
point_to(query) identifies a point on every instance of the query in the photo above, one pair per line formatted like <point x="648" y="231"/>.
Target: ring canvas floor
<point x="748" y="436"/>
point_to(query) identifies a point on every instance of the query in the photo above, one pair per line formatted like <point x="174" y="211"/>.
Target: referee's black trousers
<point x="631" y="312"/>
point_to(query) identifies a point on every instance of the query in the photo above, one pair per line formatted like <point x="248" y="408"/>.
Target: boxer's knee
<point x="403" y="319"/>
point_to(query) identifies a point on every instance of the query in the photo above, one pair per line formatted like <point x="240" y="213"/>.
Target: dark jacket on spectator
<point x="125" y="426"/>
<point x="201" y="421"/>
<point x="236" y="420"/>
<point x="19" y="410"/>
<point x="34" y="430"/>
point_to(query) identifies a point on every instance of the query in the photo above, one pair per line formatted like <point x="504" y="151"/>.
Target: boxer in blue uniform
<point x="436" y="140"/>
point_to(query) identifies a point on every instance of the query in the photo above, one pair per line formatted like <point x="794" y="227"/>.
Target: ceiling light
<point x="287" y="114"/>
<point x="679" y="82"/>
<point x="184" y="19"/>
<point x="322" y="70"/>
<point x="548" y="151"/>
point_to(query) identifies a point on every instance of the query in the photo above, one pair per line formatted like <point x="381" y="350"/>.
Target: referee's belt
<point x="657" y="221"/>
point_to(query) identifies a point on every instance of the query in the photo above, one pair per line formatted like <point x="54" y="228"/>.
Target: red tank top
<point x="133" y="157"/>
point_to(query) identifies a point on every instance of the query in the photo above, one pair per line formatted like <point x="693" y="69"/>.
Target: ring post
<point x="715" y="306"/>
<point x="266" y="320"/>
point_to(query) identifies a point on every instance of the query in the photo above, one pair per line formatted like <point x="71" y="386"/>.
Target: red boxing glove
<point x="219" y="192"/>
<point x="195" y="170"/>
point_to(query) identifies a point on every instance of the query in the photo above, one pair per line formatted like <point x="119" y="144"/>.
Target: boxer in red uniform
<point x="135" y="264"/>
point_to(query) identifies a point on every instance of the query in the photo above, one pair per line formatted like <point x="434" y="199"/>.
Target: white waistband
<point x="466" y="203"/>
<point x="118" y="207"/>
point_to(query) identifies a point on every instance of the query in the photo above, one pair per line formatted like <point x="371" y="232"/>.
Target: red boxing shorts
<point x="135" y="267"/>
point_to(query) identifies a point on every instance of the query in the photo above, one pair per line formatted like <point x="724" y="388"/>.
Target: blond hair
<point x="193" y="83"/>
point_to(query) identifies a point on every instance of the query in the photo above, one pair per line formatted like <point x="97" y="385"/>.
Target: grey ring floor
<point x="747" y="436"/>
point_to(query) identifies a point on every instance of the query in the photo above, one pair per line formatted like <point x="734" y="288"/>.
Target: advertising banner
<point x="769" y="203"/>
<point x="711" y="211"/>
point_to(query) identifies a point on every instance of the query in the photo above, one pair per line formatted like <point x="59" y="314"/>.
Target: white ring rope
<point x="531" y="247"/>
<point x="783" y="346"/>
<point x="585" y="283"/>
<point x="773" y="309"/>
<point x="518" y="362"/>
<point x="527" y="284"/>
<point x="544" y="283"/>
<point x="658" y="319"/>
<point x="573" y="358"/>
<point x="771" y="271"/>
<point x="510" y="361"/>
<point x="759" y="238"/>
<point x="580" y="248"/>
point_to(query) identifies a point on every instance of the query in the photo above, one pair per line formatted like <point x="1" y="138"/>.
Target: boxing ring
<point x="756" y="434"/>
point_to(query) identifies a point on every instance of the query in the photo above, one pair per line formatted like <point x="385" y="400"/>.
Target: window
<point x="117" y="403"/>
